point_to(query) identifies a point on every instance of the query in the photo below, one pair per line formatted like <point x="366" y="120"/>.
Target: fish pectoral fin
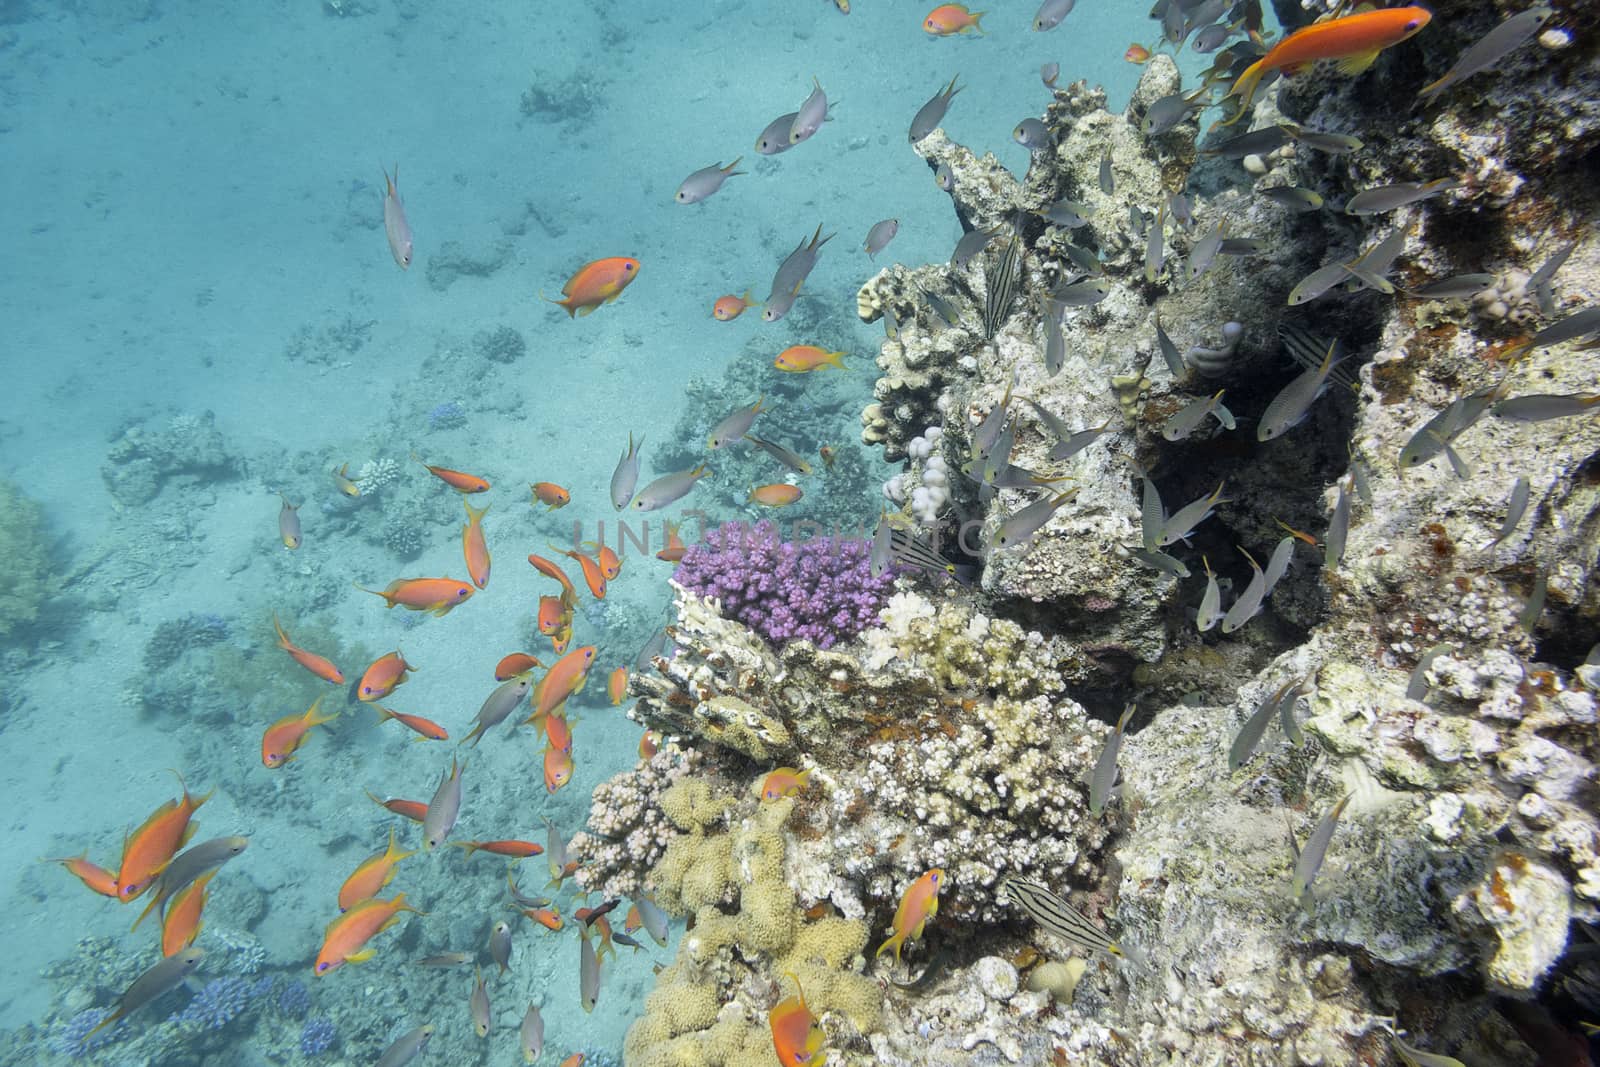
<point x="586" y="309"/>
<point x="1352" y="65"/>
<point x="362" y="957"/>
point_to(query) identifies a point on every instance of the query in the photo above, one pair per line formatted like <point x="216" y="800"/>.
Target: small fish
<point x="443" y="809"/>
<point x="653" y="919"/>
<point x="626" y="475"/>
<point x="1154" y="250"/>
<point x="395" y="226"/>
<point x="1249" y="603"/>
<point x="1308" y="860"/>
<point x="499" y="945"/>
<point x="1204" y="252"/>
<point x="1539" y="407"/>
<point x="812" y="114"/>
<point x="1083" y="293"/>
<point x="1181" y="523"/>
<point x="1290" y="407"/>
<point x="931" y="114"/>
<point x="288" y="523"/>
<point x="674" y="549"/>
<point x="283" y="737"/>
<point x="406" y="809"/>
<point x="1152" y="515"/>
<point x="776" y="495"/>
<point x="1534" y="607"/>
<point x="478" y="1005"/>
<point x="434" y="595"/>
<point x="1446" y="426"/>
<point x="1068" y="214"/>
<point x="1490" y="49"/>
<point x="650" y="744"/>
<point x="320" y="666"/>
<point x="784" y="782"/>
<point x="564" y="678"/>
<point x="548" y="918"/>
<point x="1210" y="611"/>
<point x="371" y="875"/>
<point x="1022" y="524"/>
<point x="1578" y="324"/>
<point x="1165" y="114"/>
<point x="1056" y="916"/>
<point x="1241" y="246"/>
<point x="153" y="983"/>
<point x="96" y="878"/>
<point x="346" y="937"/>
<point x="188" y="867"/>
<point x="1286" y="719"/>
<point x="1318" y="282"/>
<point x="705" y="181"/>
<point x="1104" y="775"/>
<point x="341" y="479"/>
<point x="793" y="271"/>
<point x="1292" y="197"/>
<point x="1382" y="198"/>
<point x="1333" y="144"/>
<point x="1050" y="14"/>
<point x="1180" y="210"/>
<point x="182" y="924"/>
<point x="1169" y="352"/>
<point x="949" y="19"/>
<point x="1249" y="735"/>
<point x="1417" y="683"/>
<point x="596" y="283"/>
<point x="1162" y="562"/>
<point x="796" y="1036"/>
<point x="1137" y="54"/>
<point x="550" y="569"/>
<point x="460" y="481"/>
<point x="386" y="674"/>
<point x="879" y="236"/>
<point x="1048" y="73"/>
<point x="549" y="494"/>
<point x="668" y="489"/>
<point x="918" y="904"/>
<point x="775" y="137"/>
<point x="531" y="1034"/>
<point x="944" y="177"/>
<point x="593" y="574"/>
<point x="498" y="706"/>
<point x="1514" y="511"/>
<point x="512" y="847"/>
<point x="588" y="972"/>
<point x="1032" y="134"/>
<point x="1278" y="562"/>
<point x="1108" y="181"/>
<point x="802" y="359"/>
<point x="727" y="308"/>
<point x="1210" y="38"/>
<point x="793" y="460"/>
<point x="407" y="1047"/>
<point x="1070" y="446"/>
<point x="972" y="243"/>
<point x="1539" y="281"/>
<point x="1458" y="287"/>
<point x="1255" y="143"/>
<point x="1188" y="418"/>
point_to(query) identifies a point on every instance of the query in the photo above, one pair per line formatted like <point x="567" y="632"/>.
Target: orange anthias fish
<point x="550" y="494"/>
<point x="1137" y="53"/>
<point x="318" y="665"/>
<point x="1354" y="40"/>
<point x="509" y="847"/>
<point x="347" y="935"/>
<point x="920" y="903"/>
<point x="516" y="663"/>
<point x="386" y="674"/>
<point x="617" y="686"/>
<point x="675" y="549"/>
<point x="435" y="595"/>
<point x="181" y="924"/>
<point x="948" y="19"/>
<point x="610" y="562"/>
<point x="784" y="782"/>
<point x="96" y="878"/>
<point x="548" y="918"/>
<point x="558" y="732"/>
<point x="553" y="613"/>
<point x="406" y="809"/>
<point x="148" y="850"/>
<point x="828" y="454"/>
<point x="563" y="679"/>
<point x="574" y="1060"/>
<point x="650" y="743"/>
<point x="795" y="1034"/>
<point x="289" y="733"/>
<point x="369" y="879"/>
<point x="460" y="481"/>
<point x="473" y="546"/>
<point x="727" y="308"/>
<point x="777" y="495"/>
<point x="801" y="359"/>
<point x="596" y="283"/>
<point x="558" y="767"/>
<point x="427" y="728"/>
<point x="593" y="576"/>
<point x="553" y="570"/>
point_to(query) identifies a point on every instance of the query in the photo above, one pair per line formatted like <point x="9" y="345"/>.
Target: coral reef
<point x="143" y="459"/>
<point x="503" y="344"/>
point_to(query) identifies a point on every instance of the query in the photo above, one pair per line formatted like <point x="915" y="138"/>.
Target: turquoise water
<point x="192" y="220"/>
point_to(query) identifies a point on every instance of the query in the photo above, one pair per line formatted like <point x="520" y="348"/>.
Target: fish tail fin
<point x="567" y="303"/>
<point x="474" y="514"/>
<point x="1245" y="90"/>
<point x="148" y="908"/>
<point x="977" y="24"/>
<point x="835" y="359"/>
<point x="109" y="1019"/>
<point x="729" y="171"/>
<point x="313" y="719"/>
<point x="747" y="301"/>
<point x="375" y="592"/>
<point x="897" y="939"/>
<point x="283" y="638"/>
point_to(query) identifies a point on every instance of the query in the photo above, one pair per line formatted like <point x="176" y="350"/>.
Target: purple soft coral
<point x="820" y="590"/>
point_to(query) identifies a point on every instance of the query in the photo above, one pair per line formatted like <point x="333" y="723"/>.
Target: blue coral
<point x="317" y="1036"/>
<point x="446" y="416"/>
<point x="218" y="1003"/>
<point x="75" y="1039"/>
<point x="294" y="999"/>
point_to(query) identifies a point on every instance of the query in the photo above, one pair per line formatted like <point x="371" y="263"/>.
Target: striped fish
<point x="1058" y="917"/>
<point x="1001" y="289"/>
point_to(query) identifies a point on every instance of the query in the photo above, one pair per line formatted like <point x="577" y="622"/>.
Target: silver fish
<point x="1494" y="46"/>
<point x="162" y="978"/>
<point x="444" y="808"/>
<point x="1578" y="324"/>
<point x="289" y="523"/>
<point x="1445" y="427"/>
<point x="797" y="266"/>
<point x="1058" y="917"/>
<point x="971" y="244"/>
<point x="1155" y="255"/>
<point x="395" y="226"/>
<point x="1104" y="775"/>
<point x="1458" y="287"/>
<point x="1050" y="14"/>
<point x="1255" y="143"/>
<point x="1514" y="511"/>
<point x="1415" y="1057"/>
<point x="945" y="178"/>
<point x="1333" y="144"/>
<point x="1165" y="114"/>
<point x="531" y="1034"/>
<point x="1210" y="38"/>
<point x="1292" y="197"/>
<point x="1204" y="252"/>
<point x="882" y="554"/>
<point x="1286" y="706"/>
<point x="478" y="1007"/>
<point x="1417" y="684"/>
<point x="1541" y="406"/>
<point x="1278" y="563"/>
<point x="1055" y="340"/>
<point x="1535" y="603"/>
<point x="1108" y="182"/>
<point x="1249" y="735"/>
<point x="779" y="303"/>
<point x="1001" y="289"/>
<point x="655" y="646"/>
<point x="942" y="307"/>
<point x="190" y="866"/>
<point x="1071" y="445"/>
<point x="812" y="114"/>
<point x="653" y="919"/>
<point x="1083" y="259"/>
<point x="891" y="323"/>
<point x="1248" y="605"/>
<point x="988" y="431"/>
<point x="733" y="427"/>
<point x="1338" y="531"/>
<point x="588" y="972"/>
<point x="626" y="477"/>
<point x="880" y="235"/>
<point x="1170" y="353"/>
<point x="1384" y="198"/>
<point x="1068" y="214"/>
<point x="407" y="1047"/>
<point x="1290" y="406"/>
<point x="775" y="138"/>
<point x="1318" y="282"/>
<point x="1082" y="293"/>
<point x="498" y="706"/>
<point x="1308" y="860"/>
<point x="792" y="460"/>
<point x="1180" y="210"/>
<point x="1032" y="134"/>
<point x="998" y="456"/>
<point x="500" y="945"/>
<point x="1162" y="562"/>
<point x="1048" y="73"/>
<point x="668" y="489"/>
<point x="1022" y="524"/>
<point x="1182" y="523"/>
<point x="1210" y="612"/>
<point x="1540" y="280"/>
<point x="705" y="181"/>
<point x="929" y="115"/>
<point x="1189" y="417"/>
<point x="1152" y="516"/>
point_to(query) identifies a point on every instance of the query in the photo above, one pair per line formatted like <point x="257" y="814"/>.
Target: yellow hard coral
<point x="832" y="941"/>
<point x="767" y="917"/>
<point x="691" y="805"/>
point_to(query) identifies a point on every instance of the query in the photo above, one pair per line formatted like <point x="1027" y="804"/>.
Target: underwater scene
<point x="852" y="532"/>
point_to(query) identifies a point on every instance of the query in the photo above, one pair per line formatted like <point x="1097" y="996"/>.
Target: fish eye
<point x="1413" y="24"/>
<point x="322" y="968"/>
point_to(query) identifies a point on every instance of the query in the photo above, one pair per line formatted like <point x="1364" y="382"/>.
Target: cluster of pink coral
<point x="627" y="833"/>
